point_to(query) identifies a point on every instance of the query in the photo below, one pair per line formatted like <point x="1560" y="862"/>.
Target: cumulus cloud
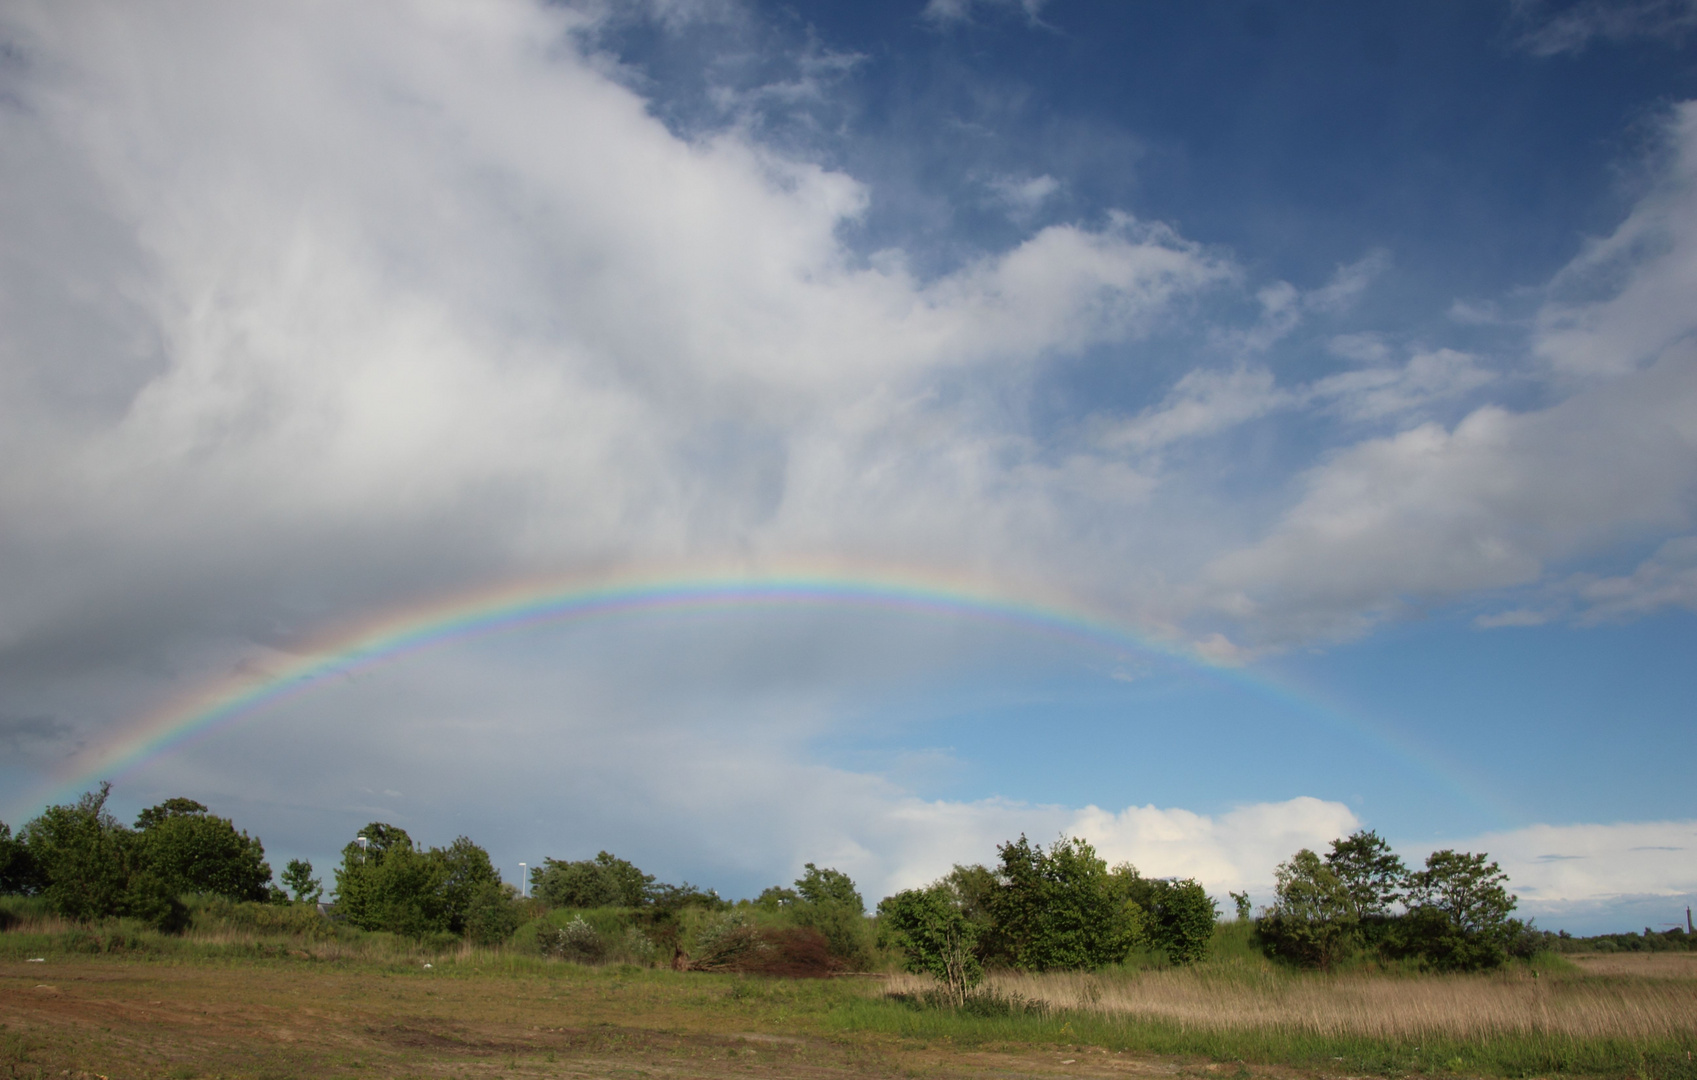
<point x="1571" y="875"/>
<point x="1435" y="512"/>
<point x="322" y="310"/>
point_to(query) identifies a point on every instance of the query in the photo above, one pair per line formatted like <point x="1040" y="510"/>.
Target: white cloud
<point x="376" y="301"/>
<point x="1574" y="29"/>
<point x="1203" y="403"/>
<point x="957" y="11"/>
<point x="1436" y="512"/>
<point x="1564" y="873"/>
<point x="1022" y="197"/>
<point x="1503" y="498"/>
<point x="1666" y="579"/>
<point x="1626" y="298"/>
<point x="1380" y="392"/>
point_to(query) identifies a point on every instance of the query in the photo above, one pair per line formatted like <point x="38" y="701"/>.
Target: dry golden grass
<point x="1378" y="1006"/>
<point x="1664" y="965"/>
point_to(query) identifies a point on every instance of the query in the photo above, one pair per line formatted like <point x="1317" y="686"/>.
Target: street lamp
<point x="362" y="842"/>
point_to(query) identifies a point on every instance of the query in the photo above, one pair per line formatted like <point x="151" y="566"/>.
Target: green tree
<point x="972" y="888"/>
<point x="1061" y="908"/>
<point x="298" y="879"/>
<point x="604" y="881"/>
<point x="79" y="849"/>
<point x="90" y="867"/>
<point x="493" y="914"/>
<point x="828" y="901"/>
<point x="1241" y="900"/>
<point x="389" y="884"/>
<point x="1181" y="918"/>
<point x="935" y="936"/>
<point x="191" y="850"/>
<point x="1373" y="876"/>
<point x="17" y="869"/>
<point x="777" y="898"/>
<point x="1459" y="913"/>
<point x="817" y="886"/>
<point x="1313" y="919"/>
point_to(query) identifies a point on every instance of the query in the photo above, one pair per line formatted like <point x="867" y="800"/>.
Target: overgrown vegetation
<point x="181" y="870"/>
<point x="1452" y="915"/>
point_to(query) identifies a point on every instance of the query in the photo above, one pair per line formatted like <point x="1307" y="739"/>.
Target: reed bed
<point x="1377" y="1006"/>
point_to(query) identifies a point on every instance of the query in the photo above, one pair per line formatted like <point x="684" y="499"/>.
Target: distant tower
<point x="1688" y="927"/>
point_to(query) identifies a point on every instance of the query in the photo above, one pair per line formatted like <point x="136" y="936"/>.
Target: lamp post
<point x="362" y="842"/>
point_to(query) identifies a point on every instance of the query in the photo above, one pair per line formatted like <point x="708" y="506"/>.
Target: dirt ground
<point x="103" y="1017"/>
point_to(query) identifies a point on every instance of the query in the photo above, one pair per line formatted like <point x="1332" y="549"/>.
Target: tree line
<point x="1035" y="909"/>
<point x="1455" y="913"/>
<point x="1044" y="909"/>
<point x="89" y="865"/>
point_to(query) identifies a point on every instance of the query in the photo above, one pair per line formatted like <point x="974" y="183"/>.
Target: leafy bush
<point x="728" y="943"/>
<point x="604" y="881"/>
<point x="388" y="884"/>
<point x="191" y="850"/>
<point x="493" y="915"/>
<point x="1061" y="908"/>
<point x="577" y="941"/>
<point x="935" y="936"/>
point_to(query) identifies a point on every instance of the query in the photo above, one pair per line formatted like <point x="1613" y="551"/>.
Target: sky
<point x="1220" y="427"/>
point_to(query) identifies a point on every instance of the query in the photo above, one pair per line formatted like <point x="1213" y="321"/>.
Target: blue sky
<point x="1346" y="352"/>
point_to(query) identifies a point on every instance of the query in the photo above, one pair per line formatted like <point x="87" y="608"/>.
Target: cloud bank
<point x="313" y="310"/>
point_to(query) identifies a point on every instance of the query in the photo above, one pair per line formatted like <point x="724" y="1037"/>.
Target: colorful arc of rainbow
<point x="403" y="633"/>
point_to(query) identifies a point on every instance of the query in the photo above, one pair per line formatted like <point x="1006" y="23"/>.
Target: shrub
<point x="388" y="884"/>
<point x="1061" y="908"/>
<point x="934" y="935"/>
<point x="576" y="941"/>
<point x="729" y="943"/>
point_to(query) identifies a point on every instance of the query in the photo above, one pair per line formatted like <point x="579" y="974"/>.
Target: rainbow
<point x="516" y="606"/>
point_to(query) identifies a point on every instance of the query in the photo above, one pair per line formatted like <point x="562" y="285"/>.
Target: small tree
<point x="1061" y="908"/>
<point x="604" y="881"/>
<point x="298" y="879"/>
<point x="828" y="886"/>
<point x="1241" y="900"/>
<point x="1374" y="878"/>
<point x="389" y="884"/>
<point x="1312" y="921"/>
<point x="934" y="935"/>
<point x="494" y="914"/>
<point x="827" y="901"/>
<point x="17" y="869"/>
<point x="192" y="850"/>
<point x="90" y="867"/>
<point x="1182" y="919"/>
<point x="1459" y="914"/>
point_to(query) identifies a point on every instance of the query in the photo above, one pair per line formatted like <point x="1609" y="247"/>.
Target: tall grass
<point x="1518" y="1022"/>
<point x="1376" y="1006"/>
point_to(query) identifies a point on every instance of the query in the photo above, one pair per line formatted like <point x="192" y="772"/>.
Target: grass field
<point x="232" y="1003"/>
